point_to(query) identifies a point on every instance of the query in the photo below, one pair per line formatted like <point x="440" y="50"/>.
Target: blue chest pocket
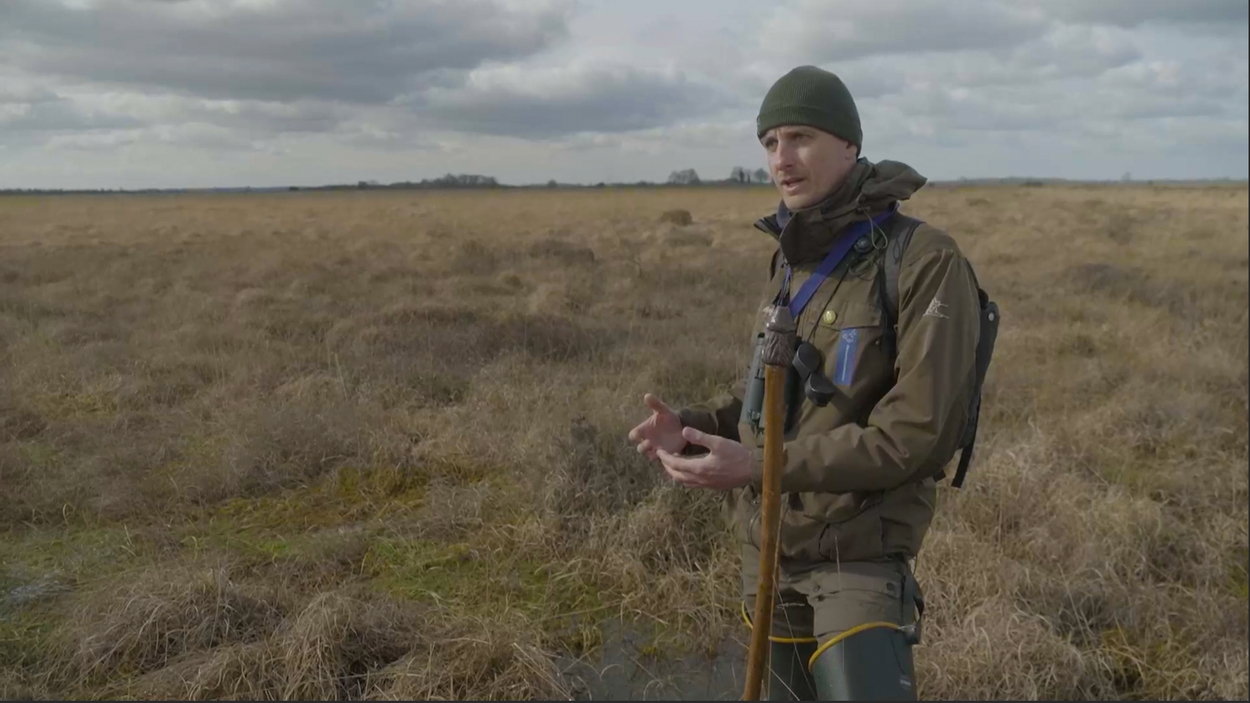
<point x="847" y="354"/>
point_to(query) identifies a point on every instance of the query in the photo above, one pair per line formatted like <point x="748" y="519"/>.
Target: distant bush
<point x="681" y="218"/>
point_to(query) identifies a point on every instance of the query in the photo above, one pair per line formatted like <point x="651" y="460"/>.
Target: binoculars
<point x="803" y="376"/>
<point x="816" y="385"/>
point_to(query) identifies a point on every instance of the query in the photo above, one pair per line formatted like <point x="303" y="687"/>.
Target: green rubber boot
<point x="789" y="679"/>
<point x="873" y="665"/>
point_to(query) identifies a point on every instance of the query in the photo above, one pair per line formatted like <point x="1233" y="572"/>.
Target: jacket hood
<point x="869" y="190"/>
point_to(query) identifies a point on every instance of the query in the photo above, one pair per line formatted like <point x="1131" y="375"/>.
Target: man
<point x="871" y="422"/>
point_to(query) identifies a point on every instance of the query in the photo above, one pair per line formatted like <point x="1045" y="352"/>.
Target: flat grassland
<point x="372" y="444"/>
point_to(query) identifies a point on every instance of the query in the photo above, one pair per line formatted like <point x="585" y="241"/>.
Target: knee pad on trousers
<point x="871" y="664"/>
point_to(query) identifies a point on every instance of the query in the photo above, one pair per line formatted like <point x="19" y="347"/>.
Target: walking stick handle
<point x="777" y="353"/>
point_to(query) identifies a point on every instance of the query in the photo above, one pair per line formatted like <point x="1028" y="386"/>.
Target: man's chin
<point x="798" y="201"/>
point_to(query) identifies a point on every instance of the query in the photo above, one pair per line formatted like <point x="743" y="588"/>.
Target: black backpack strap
<point x="894" y="261"/>
<point x="887" y="281"/>
<point x="985" y="350"/>
<point x="965" y="459"/>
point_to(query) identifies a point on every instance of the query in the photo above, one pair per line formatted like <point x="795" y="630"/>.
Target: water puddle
<point x="23" y="594"/>
<point x="620" y="670"/>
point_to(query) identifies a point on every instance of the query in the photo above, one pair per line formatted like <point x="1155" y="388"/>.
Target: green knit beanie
<point x="814" y="97"/>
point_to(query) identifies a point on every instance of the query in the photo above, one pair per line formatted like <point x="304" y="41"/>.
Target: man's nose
<point x="783" y="158"/>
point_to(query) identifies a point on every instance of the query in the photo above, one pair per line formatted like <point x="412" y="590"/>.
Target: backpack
<point x="887" y="289"/>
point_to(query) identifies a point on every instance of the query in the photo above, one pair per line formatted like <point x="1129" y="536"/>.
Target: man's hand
<point x="728" y="464"/>
<point x="660" y="431"/>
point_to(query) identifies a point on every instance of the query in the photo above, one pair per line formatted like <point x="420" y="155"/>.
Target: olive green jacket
<point x="858" y="476"/>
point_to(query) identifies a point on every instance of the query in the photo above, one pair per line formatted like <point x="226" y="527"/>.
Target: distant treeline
<point x="451" y="181"/>
<point x="685" y="178"/>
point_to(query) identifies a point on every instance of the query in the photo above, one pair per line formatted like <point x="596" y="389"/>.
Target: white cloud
<point x="549" y="102"/>
<point x="1191" y="15"/>
<point x="206" y="92"/>
<point x="273" y="50"/>
<point x="813" y="31"/>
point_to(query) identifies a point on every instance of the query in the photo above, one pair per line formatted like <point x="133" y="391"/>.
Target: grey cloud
<point x="1135" y="13"/>
<point x="363" y="52"/>
<point x="268" y="118"/>
<point x="1062" y="53"/>
<point x="1065" y="53"/>
<point x="824" y="32"/>
<point x="13" y="92"/>
<point x="657" y="140"/>
<point x="1179" y="88"/>
<point x="54" y="114"/>
<point x="1072" y="51"/>
<point x="556" y="102"/>
<point x="195" y="136"/>
<point x="1056" y="107"/>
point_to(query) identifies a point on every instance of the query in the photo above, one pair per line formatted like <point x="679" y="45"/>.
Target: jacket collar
<point x="870" y="189"/>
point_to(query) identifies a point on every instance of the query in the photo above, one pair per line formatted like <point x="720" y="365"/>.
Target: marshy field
<point x="372" y="444"/>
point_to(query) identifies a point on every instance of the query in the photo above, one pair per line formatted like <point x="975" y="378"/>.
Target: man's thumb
<point x="698" y="437"/>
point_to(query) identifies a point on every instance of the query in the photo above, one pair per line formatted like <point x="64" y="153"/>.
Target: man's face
<point x="806" y="163"/>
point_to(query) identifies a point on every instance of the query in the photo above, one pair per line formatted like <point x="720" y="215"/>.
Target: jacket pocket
<point x="852" y="346"/>
<point x="753" y="530"/>
<point x="807" y="527"/>
<point x="856" y="539"/>
<point x="743" y="513"/>
<point x="835" y="508"/>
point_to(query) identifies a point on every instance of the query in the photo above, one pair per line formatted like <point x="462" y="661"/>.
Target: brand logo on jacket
<point x="935" y="309"/>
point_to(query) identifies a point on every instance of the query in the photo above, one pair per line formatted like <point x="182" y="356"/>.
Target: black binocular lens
<point x="806" y="360"/>
<point x="816" y="386"/>
<point x="819" y="389"/>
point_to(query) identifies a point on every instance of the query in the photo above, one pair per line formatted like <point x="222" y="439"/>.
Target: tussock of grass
<point x="373" y="446"/>
<point x="491" y="663"/>
<point x="163" y="614"/>
<point x="336" y="639"/>
<point x="350" y="644"/>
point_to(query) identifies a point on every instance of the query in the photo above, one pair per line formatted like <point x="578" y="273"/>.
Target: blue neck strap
<point x="831" y="261"/>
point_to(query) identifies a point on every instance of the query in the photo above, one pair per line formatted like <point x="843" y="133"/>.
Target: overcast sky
<point x="193" y="93"/>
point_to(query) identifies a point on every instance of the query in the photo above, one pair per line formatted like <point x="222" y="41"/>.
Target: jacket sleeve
<point x="915" y="426"/>
<point x="718" y="416"/>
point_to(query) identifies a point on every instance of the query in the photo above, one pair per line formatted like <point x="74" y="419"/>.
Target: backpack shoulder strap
<point x="899" y="236"/>
<point x="905" y="228"/>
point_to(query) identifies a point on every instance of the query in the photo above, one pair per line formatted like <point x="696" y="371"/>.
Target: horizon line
<point x="433" y="184"/>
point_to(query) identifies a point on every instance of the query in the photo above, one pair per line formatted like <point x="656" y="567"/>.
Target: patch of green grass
<point x="38" y="454"/>
<point x="458" y="574"/>
<point x="65" y="405"/>
<point x="1239" y="574"/>
<point x="478" y="577"/>
<point x="72" y="554"/>
<point x="349" y="495"/>
<point x="267" y="529"/>
<point x="24" y="640"/>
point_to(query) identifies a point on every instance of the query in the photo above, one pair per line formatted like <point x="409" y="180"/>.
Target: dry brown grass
<point x="372" y="445"/>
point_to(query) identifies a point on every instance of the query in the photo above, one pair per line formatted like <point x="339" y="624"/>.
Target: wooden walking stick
<point x="777" y="354"/>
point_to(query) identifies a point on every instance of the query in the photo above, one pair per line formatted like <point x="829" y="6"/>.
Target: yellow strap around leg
<point x="843" y="635"/>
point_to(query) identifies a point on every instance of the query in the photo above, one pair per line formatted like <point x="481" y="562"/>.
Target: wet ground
<point x="620" y="670"/>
